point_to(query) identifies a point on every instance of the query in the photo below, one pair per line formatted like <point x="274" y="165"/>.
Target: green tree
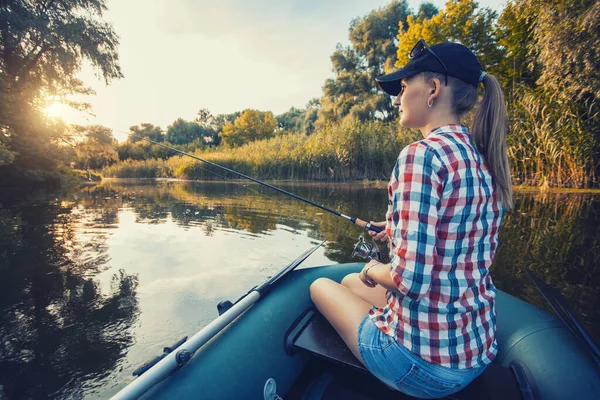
<point x="42" y="47"/>
<point x="550" y="73"/>
<point x="183" y="132"/>
<point x="292" y="120"/>
<point x="220" y="120"/>
<point x="353" y="90"/>
<point x="145" y="130"/>
<point x="205" y="119"/>
<point x="515" y="29"/>
<point x="98" y="150"/>
<point x="251" y="125"/>
<point x="565" y="53"/>
<point x="6" y="156"/>
<point x="567" y="35"/>
<point x="311" y="114"/>
<point x="461" y="21"/>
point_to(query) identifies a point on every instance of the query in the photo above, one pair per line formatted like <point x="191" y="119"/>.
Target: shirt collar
<point x="450" y="128"/>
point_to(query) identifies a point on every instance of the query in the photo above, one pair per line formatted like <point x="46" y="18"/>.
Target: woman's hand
<point x="364" y="277"/>
<point x="380" y="236"/>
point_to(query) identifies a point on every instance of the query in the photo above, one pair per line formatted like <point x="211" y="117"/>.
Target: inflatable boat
<point x="273" y="344"/>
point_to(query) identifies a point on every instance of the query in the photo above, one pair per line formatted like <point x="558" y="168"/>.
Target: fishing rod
<point x="356" y="221"/>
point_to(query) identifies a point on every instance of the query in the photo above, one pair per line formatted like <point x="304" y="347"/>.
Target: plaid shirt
<point x="443" y="220"/>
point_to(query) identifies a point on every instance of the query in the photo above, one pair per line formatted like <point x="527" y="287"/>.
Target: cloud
<point x="229" y="55"/>
<point x="294" y="34"/>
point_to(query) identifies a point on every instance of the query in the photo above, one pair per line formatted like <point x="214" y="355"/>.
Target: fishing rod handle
<point x="367" y="225"/>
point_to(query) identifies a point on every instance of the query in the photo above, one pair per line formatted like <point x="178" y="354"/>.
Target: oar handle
<point x="366" y="225"/>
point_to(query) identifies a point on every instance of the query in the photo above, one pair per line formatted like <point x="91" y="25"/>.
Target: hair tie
<point x="483" y="74"/>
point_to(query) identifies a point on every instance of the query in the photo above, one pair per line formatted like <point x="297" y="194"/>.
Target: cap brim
<point x="390" y="83"/>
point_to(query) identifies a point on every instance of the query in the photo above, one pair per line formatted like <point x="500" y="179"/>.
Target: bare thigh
<point x="376" y="296"/>
<point x="342" y="308"/>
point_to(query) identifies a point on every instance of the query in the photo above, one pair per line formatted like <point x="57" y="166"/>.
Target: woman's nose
<point x="396" y="101"/>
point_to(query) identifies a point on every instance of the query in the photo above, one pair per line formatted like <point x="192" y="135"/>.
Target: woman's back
<point x="444" y="238"/>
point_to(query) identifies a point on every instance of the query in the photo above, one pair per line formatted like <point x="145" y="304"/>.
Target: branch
<point x="27" y="67"/>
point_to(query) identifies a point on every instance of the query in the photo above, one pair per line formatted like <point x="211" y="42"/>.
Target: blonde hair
<point x="489" y="128"/>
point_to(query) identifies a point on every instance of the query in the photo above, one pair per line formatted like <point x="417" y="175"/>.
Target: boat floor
<point x="323" y="380"/>
<point x="334" y="373"/>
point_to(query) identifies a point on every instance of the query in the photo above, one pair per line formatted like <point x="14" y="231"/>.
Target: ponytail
<point x="489" y="127"/>
<point x="489" y="134"/>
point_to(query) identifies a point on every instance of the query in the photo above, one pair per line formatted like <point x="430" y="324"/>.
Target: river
<point x="97" y="280"/>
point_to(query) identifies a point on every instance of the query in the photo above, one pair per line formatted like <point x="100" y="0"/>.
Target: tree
<point x="553" y="54"/>
<point x="461" y="21"/>
<point x="98" y="149"/>
<point x="291" y="120"/>
<point x="251" y="125"/>
<point x="353" y="90"/>
<point x="567" y="35"/>
<point x="6" y="156"/>
<point x="515" y="34"/>
<point x="145" y="130"/>
<point x="205" y="119"/>
<point x="42" y="47"/>
<point x="311" y="114"/>
<point x="184" y="132"/>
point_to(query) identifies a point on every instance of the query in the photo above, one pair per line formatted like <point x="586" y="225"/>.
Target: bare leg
<point x="376" y="296"/>
<point x="342" y="308"/>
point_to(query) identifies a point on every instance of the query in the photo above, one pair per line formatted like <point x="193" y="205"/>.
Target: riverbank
<point x="345" y="151"/>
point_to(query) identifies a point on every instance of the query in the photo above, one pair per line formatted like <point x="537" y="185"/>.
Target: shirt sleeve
<point x="412" y="220"/>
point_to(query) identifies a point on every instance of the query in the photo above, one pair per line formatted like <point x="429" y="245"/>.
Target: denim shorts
<point x="402" y="370"/>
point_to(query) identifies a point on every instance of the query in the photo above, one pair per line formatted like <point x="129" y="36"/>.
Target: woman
<point x="425" y="323"/>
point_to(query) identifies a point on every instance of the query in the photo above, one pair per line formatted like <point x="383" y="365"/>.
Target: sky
<point x="179" y="56"/>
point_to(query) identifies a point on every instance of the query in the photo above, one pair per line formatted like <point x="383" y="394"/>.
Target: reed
<point x="548" y="144"/>
<point x="340" y="151"/>
<point x="151" y="168"/>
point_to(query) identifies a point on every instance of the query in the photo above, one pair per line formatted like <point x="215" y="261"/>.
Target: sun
<point x="56" y="109"/>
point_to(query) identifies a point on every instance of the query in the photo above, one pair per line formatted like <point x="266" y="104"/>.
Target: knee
<point x="350" y="280"/>
<point x="318" y="287"/>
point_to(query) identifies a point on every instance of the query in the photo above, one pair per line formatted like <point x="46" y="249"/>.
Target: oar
<point x="354" y="220"/>
<point x="182" y="354"/>
<point x="559" y="305"/>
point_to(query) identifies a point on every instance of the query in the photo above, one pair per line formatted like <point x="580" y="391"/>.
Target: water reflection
<point x="557" y="235"/>
<point x="56" y="328"/>
<point x="97" y="281"/>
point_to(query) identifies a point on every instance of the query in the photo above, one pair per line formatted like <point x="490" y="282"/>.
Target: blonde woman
<point x="425" y="323"/>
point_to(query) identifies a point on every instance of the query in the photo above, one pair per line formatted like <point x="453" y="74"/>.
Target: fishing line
<point x="224" y="177"/>
<point x="354" y="220"/>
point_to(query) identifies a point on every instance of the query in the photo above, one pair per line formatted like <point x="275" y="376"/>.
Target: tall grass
<point x="152" y="168"/>
<point x="549" y="144"/>
<point x="342" y="151"/>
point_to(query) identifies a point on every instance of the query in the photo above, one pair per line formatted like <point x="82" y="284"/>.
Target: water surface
<point x="97" y="281"/>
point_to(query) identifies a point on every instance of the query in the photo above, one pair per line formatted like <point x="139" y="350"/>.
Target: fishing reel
<point x="365" y="250"/>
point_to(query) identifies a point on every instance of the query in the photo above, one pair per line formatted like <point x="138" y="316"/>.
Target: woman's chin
<point x="404" y="122"/>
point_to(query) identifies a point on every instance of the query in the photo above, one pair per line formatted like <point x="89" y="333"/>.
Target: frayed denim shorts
<point x="402" y="370"/>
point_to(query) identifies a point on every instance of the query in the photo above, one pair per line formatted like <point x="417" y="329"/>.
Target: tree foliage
<point x="97" y="150"/>
<point x="145" y="130"/>
<point x="42" y="47"/>
<point x="292" y="120"/>
<point x="183" y="132"/>
<point x="353" y="90"/>
<point x="461" y="21"/>
<point x="519" y="67"/>
<point x="567" y="37"/>
<point x="250" y="126"/>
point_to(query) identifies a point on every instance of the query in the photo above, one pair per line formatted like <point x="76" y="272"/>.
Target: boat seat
<point x="312" y="333"/>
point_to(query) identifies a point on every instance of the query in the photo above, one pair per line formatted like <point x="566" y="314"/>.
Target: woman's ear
<point x="434" y="88"/>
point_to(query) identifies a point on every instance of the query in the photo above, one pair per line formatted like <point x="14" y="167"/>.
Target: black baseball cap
<point x="460" y="62"/>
